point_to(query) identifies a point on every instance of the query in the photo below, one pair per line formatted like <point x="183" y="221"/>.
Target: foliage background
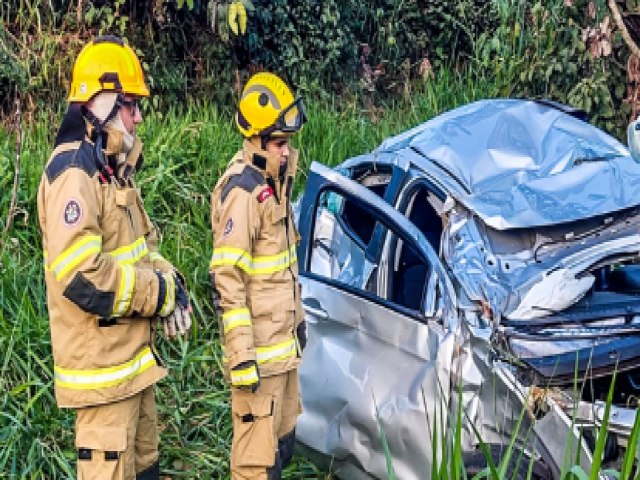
<point x="368" y="69"/>
<point x="567" y="50"/>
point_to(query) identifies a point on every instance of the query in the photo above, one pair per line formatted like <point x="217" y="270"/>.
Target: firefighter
<point x="106" y="281"/>
<point x="255" y="279"/>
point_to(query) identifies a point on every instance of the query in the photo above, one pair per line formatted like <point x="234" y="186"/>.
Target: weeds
<point x="186" y="149"/>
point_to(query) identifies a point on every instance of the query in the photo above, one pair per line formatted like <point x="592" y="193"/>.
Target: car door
<point x="374" y="370"/>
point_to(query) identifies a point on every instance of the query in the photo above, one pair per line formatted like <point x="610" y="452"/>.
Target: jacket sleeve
<point x="90" y="277"/>
<point x="159" y="263"/>
<point x="234" y="231"/>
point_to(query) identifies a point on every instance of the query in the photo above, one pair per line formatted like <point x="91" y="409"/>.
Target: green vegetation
<point x="566" y="50"/>
<point x="185" y="151"/>
<point x="374" y="68"/>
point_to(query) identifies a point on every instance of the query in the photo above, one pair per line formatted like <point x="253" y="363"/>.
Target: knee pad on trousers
<point x="150" y="473"/>
<point x="285" y="447"/>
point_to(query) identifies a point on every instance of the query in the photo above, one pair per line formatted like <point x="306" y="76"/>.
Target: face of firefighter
<point x="131" y="114"/>
<point x="279" y="147"/>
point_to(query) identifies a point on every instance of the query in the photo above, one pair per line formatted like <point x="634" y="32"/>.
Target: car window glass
<point x="338" y="253"/>
<point x="338" y="249"/>
<point x="408" y="274"/>
<point x="424" y="212"/>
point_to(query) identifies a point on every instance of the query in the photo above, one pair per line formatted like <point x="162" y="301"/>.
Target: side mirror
<point x="633" y="139"/>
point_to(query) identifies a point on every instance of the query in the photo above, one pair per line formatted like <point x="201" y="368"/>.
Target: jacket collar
<point x="268" y="163"/>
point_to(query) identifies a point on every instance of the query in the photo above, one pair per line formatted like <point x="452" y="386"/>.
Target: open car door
<point x="375" y="374"/>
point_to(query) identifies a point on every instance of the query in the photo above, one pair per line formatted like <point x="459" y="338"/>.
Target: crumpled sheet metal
<point x="399" y="366"/>
<point x="516" y="161"/>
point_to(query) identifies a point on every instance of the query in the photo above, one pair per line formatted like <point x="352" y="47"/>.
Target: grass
<point x="186" y="149"/>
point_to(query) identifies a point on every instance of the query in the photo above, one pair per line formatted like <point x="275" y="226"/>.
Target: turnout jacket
<point x="100" y="257"/>
<point x="254" y="266"/>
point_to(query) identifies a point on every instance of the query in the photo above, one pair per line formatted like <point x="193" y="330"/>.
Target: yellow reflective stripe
<point x="274" y="353"/>
<point x="130" y="254"/>
<point x="247" y="376"/>
<point x="45" y="260"/>
<point x="125" y="290"/>
<point x="231" y="256"/>
<point x="239" y="317"/>
<point x="76" y="254"/>
<point x="155" y="256"/>
<point x="170" y="296"/>
<point x="274" y="263"/>
<point x="253" y="265"/>
<point x="104" y="377"/>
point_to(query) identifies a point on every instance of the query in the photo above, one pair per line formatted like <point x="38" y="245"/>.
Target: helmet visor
<point x="293" y="117"/>
<point x="290" y="119"/>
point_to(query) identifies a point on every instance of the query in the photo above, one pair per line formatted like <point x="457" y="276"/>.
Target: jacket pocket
<point x="101" y="452"/>
<point x="253" y="430"/>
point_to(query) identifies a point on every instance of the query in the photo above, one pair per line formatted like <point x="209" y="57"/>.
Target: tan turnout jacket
<point x="254" y="264"/>
<point x="102" y="292"/>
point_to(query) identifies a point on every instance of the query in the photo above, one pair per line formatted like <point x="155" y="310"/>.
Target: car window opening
<point x="338" y="248"/>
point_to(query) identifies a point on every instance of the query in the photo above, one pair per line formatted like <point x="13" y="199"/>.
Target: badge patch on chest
<point x="72" y="213"/>
<point x="264" y="194"/>
<point x="228" y="228"/>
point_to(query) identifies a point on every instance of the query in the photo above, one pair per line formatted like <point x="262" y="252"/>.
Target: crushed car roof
<point x="519" y="163"/>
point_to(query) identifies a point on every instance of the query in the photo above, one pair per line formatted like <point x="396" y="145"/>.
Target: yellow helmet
<point x="267" y="108"/>
<point x="106" y="64"/>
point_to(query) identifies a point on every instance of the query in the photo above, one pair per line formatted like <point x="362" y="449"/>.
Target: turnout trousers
<point x="119" y="440"/>
<point x="264" y="427"/>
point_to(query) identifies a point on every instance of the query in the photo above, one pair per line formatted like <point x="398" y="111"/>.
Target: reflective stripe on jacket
<point x="254" y="263"/>
<point x="100" y="253"/>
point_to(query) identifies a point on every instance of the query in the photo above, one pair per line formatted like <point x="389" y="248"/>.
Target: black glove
<point x="246" y="375"/>
<point x="182" y="298"/>
<point x="301" y="333"/>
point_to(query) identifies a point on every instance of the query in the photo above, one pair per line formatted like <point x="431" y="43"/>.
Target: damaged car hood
<point x="536" y="197"/>
<point x="518" y="163"/>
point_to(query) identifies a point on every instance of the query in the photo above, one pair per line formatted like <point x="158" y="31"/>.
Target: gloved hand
<point x="171" y="293"/>
<point x="178" y="322"/>
<point x="301" y="333"/>
<point x="182" y="298"/>
<point x="246" y="375"/>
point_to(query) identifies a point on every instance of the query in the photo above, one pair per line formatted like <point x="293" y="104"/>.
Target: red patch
<point x="264" y="194"/>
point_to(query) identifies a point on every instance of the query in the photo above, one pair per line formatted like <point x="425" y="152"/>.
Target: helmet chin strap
<point x="128" y="139"/>
<point x="100" y="104"/>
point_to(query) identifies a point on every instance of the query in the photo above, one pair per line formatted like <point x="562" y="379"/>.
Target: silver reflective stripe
<point x="277" y="352"/>
<point x="239" y="317"/>
<point x="130" y="254"/>
<point x="76" y="254"/>
<point x="125" y="290"/>
<point x="248" y="376"/>
<point x="170" y="296"/>
<point x="104" y="377"/>
<point x="253" y="265"/>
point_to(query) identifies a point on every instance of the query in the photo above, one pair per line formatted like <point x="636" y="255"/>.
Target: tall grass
<point x="186" y="149"/>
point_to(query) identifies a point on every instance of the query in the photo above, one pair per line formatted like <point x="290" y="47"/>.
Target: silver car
<point x="482" y="264"/>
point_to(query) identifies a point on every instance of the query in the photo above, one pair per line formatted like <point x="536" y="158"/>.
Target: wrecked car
<point x="482" y="263"/>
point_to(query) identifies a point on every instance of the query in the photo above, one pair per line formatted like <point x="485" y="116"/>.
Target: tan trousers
<point x="118" y="440"/>
<point x="263" y="427"/>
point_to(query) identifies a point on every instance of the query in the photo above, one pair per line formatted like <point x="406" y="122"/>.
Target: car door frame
<point x="321" y="178"/>
<point x="361" y="317"/>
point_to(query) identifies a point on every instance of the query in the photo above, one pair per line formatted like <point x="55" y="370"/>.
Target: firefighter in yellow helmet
<point x="106" y="281"/>
<point x="255" y="279"/>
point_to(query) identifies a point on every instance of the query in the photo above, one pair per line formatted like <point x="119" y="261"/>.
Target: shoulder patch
<point x="72" y="213"/>
<point x="248" y="180"/>
<point x="81" y="158"/>
<point x="228" y="228"/>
